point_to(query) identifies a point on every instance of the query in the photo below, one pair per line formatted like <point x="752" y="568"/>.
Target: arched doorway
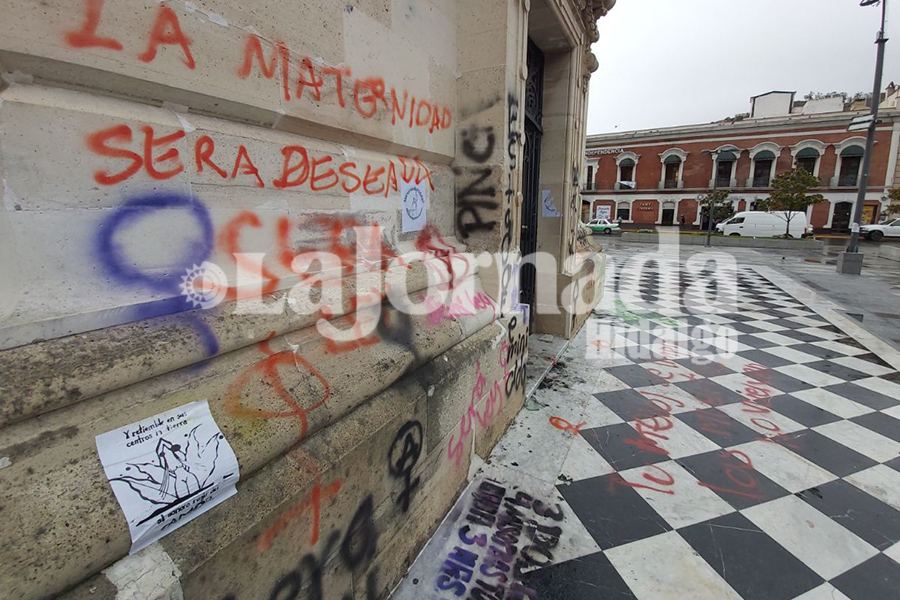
<point x="841" y="219"/>
<point x="668" y="213"/>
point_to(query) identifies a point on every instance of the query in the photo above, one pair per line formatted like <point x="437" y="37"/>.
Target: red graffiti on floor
<point x="566" y="426"/>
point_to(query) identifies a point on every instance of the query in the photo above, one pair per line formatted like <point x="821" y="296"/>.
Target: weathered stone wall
<point x="140" y="139"/>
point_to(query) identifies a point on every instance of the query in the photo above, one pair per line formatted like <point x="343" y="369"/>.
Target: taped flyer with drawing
<point x="168" y="469"/>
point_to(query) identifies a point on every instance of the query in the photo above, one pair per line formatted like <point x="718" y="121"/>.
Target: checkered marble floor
<point x="749" y="449"/>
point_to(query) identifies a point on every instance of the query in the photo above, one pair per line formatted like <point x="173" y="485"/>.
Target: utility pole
<point x="850" y="261"/>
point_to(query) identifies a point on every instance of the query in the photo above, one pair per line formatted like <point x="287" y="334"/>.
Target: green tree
<point x="894" y="209"/>
<point x="790" y="196"/>
<point x="721" y="206"/>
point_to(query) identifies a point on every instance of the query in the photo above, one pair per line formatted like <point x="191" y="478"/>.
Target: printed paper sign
<point x="604" y="212"/>
<point x="167" y="470"/>
<point x="549" y="209"/>
<point x="415" y="206"/>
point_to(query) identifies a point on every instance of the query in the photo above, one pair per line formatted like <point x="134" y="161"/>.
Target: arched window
<point x="623" y="211"/>
<point x="851" y="164"/>
<point x="626" y="174"/>
<point x="808" y="159"/>
<point x="725" y="162"/>
<point x="763" y="164"/>
<point x="672" y="166"/>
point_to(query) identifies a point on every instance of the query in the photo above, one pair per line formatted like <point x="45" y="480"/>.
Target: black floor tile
<point x="635" y="376"/>
<point x="802" y="412"/>
<point x="877" y="578"/>
<point x="874" y="359"/>
<point x="718" y="427"/>
<point x="630" y="405"/>
<point x="800" y="335"/>
<point x="765" y="359"/>
<point x="623" y="447"/>
<point x="746" y="328"/>
<point x="756" y="342"/>
<point x="612" y="511"/>
<point x="710" y="392"/>
<point x="866" y="516"/>
<point x="707" y="368"/>
<point x="830" y="455"/>
<point x="865" y="396"/>
<point x="732" y="478"/>
<point x="837" y="370"/>
<point x="586" y="578"/>
<point x="881" y="423"/>
<point x="813" y="350"/>
<point x="787" y="324"/>
<point x="779" y="380"/>
<point x="755" y="565"/>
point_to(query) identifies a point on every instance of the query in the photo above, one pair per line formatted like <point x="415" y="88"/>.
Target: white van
<point x="765" y="224"/>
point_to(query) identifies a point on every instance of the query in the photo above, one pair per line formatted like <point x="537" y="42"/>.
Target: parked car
<point x="603" y="226"/>
<point x="876" y="233"/>
<point x="765" y="224"/>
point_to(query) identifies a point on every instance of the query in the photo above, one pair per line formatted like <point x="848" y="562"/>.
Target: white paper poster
<point x="168" y="469"/>
<point x="415" y="206"/>
<point x="604" y="212"/>
<point x="549" y="205"/>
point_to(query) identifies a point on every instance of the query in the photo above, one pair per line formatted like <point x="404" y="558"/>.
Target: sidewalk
<point x="751" y="450"/>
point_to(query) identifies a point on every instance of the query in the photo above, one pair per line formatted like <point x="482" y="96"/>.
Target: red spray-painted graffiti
<point x="313" y="502"/>
<point x="267" y="371"/>
<point x="160" y="159"/>
<point x="369" y="96"/>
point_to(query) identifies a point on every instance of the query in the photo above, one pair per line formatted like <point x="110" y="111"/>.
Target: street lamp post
<point x="850" y="261"/>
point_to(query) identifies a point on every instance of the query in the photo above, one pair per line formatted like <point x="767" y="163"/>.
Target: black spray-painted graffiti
<point x="497" y="525"/>
<point x="355" y="551"/>
<point x="402" y="458"/>
<point x="516" y="358"/>
<point x="512" y="151"/>
<point x="477" y="146"/>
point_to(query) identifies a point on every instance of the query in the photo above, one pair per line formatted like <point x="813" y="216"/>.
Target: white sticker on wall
<point x="549" y="206"/>
<point x="168" y="469"/>
<point x="414" y="213"/>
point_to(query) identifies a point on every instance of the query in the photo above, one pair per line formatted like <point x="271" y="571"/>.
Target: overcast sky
<point x="677" y="62"/>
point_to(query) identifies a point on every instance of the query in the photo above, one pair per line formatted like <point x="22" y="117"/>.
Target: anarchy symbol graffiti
<point x="402" y="458"/>
<point x="414" y="203"/>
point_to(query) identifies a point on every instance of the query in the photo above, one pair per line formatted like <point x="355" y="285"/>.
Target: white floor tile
<point x="833" y="403"/>
<point x="683" y="574"/>
<point x="777" y="338"/>
<point x="768" y="424"/>
<point x="672" y="398"/>
<point x="882" y="386"/>
<point x="842" y="348"/>
<point x="674" y="436"/>
<point x="810" y="375"/>
<point x="824" y="334"/>
<point x="767" y="326"/>
<point x="863" y="440"/>
<point x="682" y="502"/>
<point x="894" y="411"/>
<point x="746" y="386"/>
<point x="583" y="462"/>
<point x="805" y="532"/>
<point x="826" y="591"/>
<point x="788" y="353"/>
<point x="789" y="470"/>
<point x="863" y="366"/>
<point x="893" y="552"/>
<point x="880" y="481"/>
<point x="809" y="321"/>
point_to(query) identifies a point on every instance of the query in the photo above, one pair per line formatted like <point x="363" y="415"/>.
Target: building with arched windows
<point x="655" y="176"/>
